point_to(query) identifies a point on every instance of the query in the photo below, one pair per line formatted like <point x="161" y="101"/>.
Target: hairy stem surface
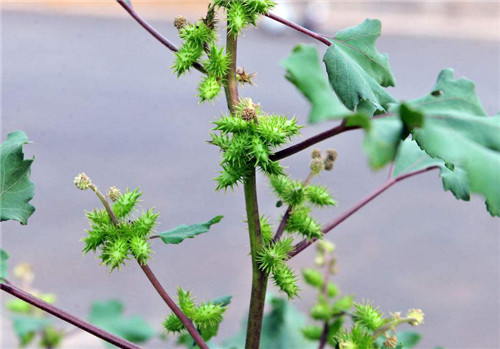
<point x="259" y="278"/>
<point x="231" y="86"/>
<point x="71" y="319"/>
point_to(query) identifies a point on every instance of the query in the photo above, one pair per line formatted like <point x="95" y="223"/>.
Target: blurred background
<point x="94" y="93"/>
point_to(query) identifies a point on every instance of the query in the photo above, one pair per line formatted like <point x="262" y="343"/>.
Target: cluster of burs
<point x="200" y="47"/>
<point x="127" y="237"/>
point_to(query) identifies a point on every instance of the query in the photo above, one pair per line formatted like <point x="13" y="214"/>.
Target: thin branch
<point x="154" y="281"/>
<point x="175" y="309"/>
<point x="312" y="141"/>
<point x="299" y="28"/>
<point x="149" y="28"/>
<point x="389" y="183"/>
<point x="286" y="216"/>
<point x="61" y="314"/>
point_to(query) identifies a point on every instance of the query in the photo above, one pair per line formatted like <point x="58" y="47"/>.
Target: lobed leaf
<point x="305" y="72"/>
<point x="16" y="189"/>
<point x="357" y="72"/>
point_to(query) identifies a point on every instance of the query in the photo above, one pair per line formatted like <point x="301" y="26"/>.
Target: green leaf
<point x="411" y="158"/>
<point x="26" y="327"/>
<point x="409" y="339"/>
<point x="305" y="72"/>
<point x="449" y="94"/>
<point x="381" y="141"/>
<point x="222" y="301"/>
<point x="457" y="131"/>
<point x="3" y="264"/>
<point x="357" y="72"/>
<point x="281" y="329"/>
<point x="16" y="189"/>
<point x="178" y="234"/>
<point x="109" y="316"/>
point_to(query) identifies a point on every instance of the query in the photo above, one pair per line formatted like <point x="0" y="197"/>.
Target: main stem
<point x="259" y="278"/>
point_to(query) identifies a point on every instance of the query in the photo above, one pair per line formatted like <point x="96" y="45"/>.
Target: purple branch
<point x="311" y="141"/>
<point x="128" y="7"/>
<point x="61" y="314"/>
<point x="299" y="28"/>
<point x="389" y="183"/>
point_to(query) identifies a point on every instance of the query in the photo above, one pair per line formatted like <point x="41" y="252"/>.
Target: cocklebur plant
<point x="367" y="328"/>
<point x="446" y="130"/>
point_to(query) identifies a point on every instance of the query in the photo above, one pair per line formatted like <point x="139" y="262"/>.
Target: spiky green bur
<point x="242" y="13"/>
<point x="357" y="338"/>
<point x="198" y="34"/>
<point x="187" y="55"/>
<point x="368" y="316"/>
<point x="119" y="242"/>
<point x="209" y="88"/>
<point x="267" y="230"/>
<point x="206" y="316"/>
<point x="126" y="203"/>
<point x="301" y="222"/>
<point x="272" y="258"/>
<point x="286" y="280"/>
<point x="319" y="196"/>
<point x="217" y="63"/>
<point x="245" y="144"/>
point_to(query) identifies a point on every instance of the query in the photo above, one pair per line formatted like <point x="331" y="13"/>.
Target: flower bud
<point x="114" y="193"/>
<point x="316" y="154"/>
<point x="417" y="316"/>
<point x="391" y="342"/>
<point x="82" y="181"/>
<point x="325" y="246"/>
<point x="331" y="156"/>
<point x="180" y="22"/>
<point x="316" y="166"/>
<point x="24" y="272"/>
<point x="243" y="77"/>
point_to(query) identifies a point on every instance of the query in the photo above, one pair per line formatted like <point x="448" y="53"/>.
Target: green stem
<point x="259" y="278"/>
<point x="231" y="85"/>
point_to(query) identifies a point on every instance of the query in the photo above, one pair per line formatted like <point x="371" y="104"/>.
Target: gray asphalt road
<point x="97" y="95"/>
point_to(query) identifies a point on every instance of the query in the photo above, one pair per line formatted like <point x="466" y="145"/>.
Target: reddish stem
<point x="175" y="309"/>
<point x="299" y="28"/>
<point x="311" y="141"/>
<point x="149" y="28"/>
<point x="389" y="183"/>
<point x="61" y="314"/>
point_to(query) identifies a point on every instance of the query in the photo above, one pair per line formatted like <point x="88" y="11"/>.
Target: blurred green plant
<point x="446" y="130"/>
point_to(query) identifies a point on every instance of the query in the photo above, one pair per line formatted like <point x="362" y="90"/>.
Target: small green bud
<point x="24" y="271"/>
<point x="332" y="290"/>
<point x="180" y="22"/>
<point x="82" y="181"/>
<point x="48" y="297"/>
<point x="114" y="193"/>
<point x="417" y="315"/>
<point x="343" y="304"/>
<point x="333" y="266"/>
<point x="312" y="332"/>
<point x="18" y="306"/>
<point x="325" y="246"/>
<point x="321" y="311"/>
<point x="319" y="260"/>
<point x="313" y="278"/>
